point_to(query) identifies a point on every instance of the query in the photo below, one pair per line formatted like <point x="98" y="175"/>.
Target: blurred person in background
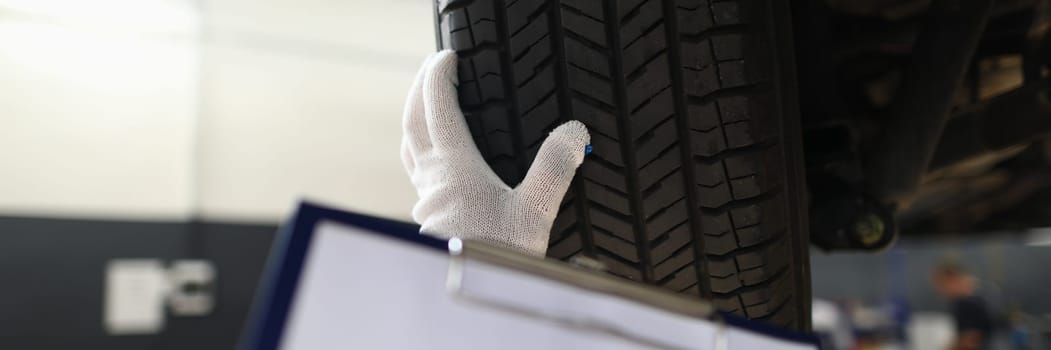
<point x="974" y="322"/>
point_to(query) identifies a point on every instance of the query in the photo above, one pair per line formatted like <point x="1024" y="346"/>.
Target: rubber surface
<point x="695" y="180"/>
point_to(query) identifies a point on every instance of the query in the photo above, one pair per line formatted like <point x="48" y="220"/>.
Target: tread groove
<point x="635" y="73"/>
<point x="642" y="35"/>
<point x="453" y="6"/>
<point x="529" y="18"/>
<point x="587" y="42"/>
<point x="510" y="90"/>
<point x="580" y="12"/>
<point x="726" y="173"/>
<point x="741" y="203"/>
<point x="739" y="291"/>
<point x="627" y="147"/>
<point x="757" y="247"/>
<point x="713" y="31"/>
<point x="674" y="52"/>
<point x="720" y="156"/>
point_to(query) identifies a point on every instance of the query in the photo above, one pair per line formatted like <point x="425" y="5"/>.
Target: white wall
<point x="227" y="109"/>
<point x="304" y="99"/>
<point x="96" y="110"/>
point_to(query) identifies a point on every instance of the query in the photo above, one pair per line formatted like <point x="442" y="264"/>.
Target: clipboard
<point x="337" y="279"/>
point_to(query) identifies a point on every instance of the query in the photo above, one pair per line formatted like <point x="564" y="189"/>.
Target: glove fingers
<point x="445" y="122"/>
<point x="414" y="124"/>
<point x="407" y="159"/>
<point x="555" y="164"/>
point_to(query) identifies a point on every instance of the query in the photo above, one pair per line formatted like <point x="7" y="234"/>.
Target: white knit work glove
<point x="460" y="196"/>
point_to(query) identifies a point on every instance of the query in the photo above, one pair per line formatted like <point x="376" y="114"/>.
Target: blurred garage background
<point x="168" y="130"/>
<point x="186" y="129"/>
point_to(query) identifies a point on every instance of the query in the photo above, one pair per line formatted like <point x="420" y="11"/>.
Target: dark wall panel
<point x="51" y="280"/>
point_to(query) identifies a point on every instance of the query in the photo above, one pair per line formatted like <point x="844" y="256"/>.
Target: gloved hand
<point x="460" y="196"/>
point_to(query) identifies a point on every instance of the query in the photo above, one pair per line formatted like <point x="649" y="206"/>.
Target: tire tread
<point x="686" y="185"/>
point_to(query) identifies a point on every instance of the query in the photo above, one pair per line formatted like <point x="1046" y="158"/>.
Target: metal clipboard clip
<point x="465" y="253"/>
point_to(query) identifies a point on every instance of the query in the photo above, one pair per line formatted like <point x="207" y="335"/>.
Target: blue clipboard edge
<point x="277" y="287"/>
